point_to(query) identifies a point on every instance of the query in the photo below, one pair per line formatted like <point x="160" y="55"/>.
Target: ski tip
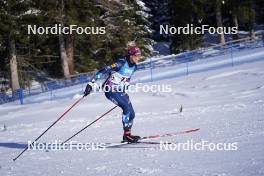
<point x="192" y="130"/>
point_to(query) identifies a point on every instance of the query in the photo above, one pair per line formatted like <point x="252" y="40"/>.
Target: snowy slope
<point x="226" y="104"/>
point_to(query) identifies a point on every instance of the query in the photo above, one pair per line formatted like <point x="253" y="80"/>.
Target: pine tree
<point x="233" y="7"/>
<point x="124" y="23"/>
<point x="12" y="16"/>
<point x="247" y="16"/>
<point x="218" y="14"/>
<point x="183" y="13"/>
<point x="159" y="15"/>
<point x="65" y="13"/>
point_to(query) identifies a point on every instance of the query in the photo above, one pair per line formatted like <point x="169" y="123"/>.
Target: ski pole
<point x="88" y="125"/>
<point x="50" y="127"/>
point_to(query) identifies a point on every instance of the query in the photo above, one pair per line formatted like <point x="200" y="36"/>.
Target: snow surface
<point x="226" y="103"/>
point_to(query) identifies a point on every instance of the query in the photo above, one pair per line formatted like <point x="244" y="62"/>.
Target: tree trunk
<point x="235" y="23"/>
<point x="219" y="21"/>
<point x="252" y="21"/>
<point x="13" y="63"/>
<point x="70" y="53"/>
<point x="63" y="55"/>
<point x="252" y="34"/>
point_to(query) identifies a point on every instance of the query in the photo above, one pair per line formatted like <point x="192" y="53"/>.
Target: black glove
<point x="88" y="90"/>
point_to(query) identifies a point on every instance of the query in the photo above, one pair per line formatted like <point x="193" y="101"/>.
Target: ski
<point x="120" y="144"/>
<point x="142" y="139"/>
<point x="151" y="142"/>
<point x="169" y="134"/>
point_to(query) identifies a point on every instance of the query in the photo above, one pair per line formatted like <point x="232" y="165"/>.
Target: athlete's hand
<point x="88" y="90"/>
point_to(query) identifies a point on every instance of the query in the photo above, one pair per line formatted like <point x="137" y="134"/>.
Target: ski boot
<point x="127" y="137"/>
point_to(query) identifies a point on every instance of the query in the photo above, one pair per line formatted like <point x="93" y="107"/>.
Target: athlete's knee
<point x="126" y="110"/>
